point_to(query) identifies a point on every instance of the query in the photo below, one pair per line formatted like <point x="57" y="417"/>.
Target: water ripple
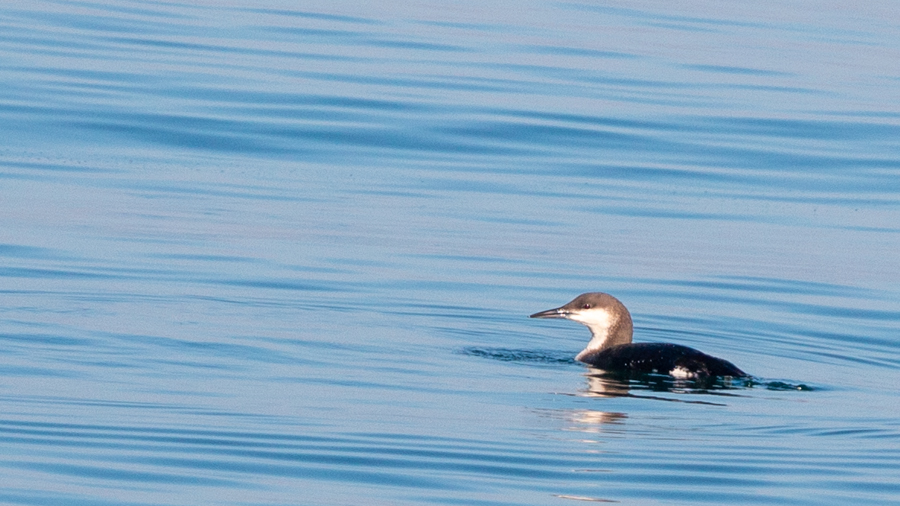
<point x="279" y="254"/>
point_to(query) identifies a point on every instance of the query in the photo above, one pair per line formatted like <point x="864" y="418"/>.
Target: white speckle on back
<point x="681" y="373"/>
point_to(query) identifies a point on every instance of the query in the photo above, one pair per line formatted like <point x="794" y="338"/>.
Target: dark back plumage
<point x="660" y="358"/>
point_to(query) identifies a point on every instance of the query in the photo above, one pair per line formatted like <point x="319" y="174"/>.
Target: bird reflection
<point x="602" y="384"/>
<point x="591" y="420"/>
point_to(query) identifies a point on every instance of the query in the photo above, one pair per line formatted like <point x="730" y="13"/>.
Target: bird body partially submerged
<point x="661" y="358"/>
<point x="611" y="349"/>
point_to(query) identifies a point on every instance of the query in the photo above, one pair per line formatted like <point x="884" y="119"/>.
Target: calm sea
<point x="272" y="253"/>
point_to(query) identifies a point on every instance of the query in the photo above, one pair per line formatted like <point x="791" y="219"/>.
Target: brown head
<point x="608" y="319"/>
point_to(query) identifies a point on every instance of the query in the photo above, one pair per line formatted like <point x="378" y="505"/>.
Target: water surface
<point x="279" y="254"/>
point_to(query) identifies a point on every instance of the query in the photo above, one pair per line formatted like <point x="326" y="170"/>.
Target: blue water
<point x="270" y="253"/>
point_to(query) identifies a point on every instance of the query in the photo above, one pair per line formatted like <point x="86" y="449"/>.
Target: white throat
<point x="599" y="321"/>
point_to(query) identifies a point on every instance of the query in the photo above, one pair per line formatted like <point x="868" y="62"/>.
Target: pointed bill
<point x="552" y="313"/>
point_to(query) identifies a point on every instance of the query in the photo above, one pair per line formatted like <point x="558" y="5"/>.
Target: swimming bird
<point x="611" y="349"/>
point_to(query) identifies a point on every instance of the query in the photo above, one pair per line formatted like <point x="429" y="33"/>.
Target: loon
<point x="611" y="349"/>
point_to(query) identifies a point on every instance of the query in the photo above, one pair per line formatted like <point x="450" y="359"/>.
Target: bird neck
<point x="603" y="336"/>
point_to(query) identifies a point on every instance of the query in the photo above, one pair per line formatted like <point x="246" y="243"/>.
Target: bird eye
<point x="586" y="306"/>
